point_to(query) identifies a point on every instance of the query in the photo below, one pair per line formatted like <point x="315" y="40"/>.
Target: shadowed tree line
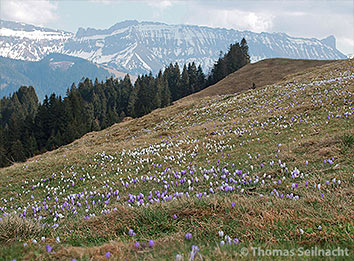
<point x="28" y="127"/>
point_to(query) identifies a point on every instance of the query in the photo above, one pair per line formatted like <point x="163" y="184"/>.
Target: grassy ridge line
<point x="211" y="140"/>
<point x="262" y="73"/>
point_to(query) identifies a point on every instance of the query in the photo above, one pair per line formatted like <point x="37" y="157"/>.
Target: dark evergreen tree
<point x="3" y="157"/>
<point x="192" y="75"/>
<point x="233" y="60"/>
<point x="165" y="91"/>
<point x="27" y="138"/>
<point x="201" y="81"/>
<point x="126" y="89"/>
<point x="244" y="50"/>
<point x="183" y="84"/>
<point x="16" y="152"/>
<point x="42" y="121"/>
<point x="172" y="74"/>
<point x="133" y="99"/>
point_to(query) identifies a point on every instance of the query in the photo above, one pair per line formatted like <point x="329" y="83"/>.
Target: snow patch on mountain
<point x="30" y="43"/>
<point x="34" y="35"/>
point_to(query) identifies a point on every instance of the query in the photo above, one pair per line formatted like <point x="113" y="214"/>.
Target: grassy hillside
<point x="262" y="73"/>
<point x="212" y="179"/>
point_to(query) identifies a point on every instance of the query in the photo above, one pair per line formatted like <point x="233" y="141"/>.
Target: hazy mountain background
<point x="54" y="73"/>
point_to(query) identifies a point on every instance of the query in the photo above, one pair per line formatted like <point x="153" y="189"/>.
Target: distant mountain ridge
<point x="30" y="43"/>
<point x="140" y="47"/>
<point x="54" y="73"/>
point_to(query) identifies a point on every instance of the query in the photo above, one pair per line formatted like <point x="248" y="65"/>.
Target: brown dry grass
<point x="118" y="250"/>
<point x="13" y="227"/>
<point x="261" y="73"/>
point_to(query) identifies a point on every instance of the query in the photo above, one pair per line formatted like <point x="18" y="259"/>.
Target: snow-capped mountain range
<point x="30" y="43"/>
<point x="140" y="47"/>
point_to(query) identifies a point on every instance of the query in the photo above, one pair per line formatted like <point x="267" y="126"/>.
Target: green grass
<point x="347" y="142"/>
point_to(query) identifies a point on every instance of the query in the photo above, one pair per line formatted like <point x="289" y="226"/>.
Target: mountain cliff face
<point x="140" y="47"/>
<point x="30" y="43"/>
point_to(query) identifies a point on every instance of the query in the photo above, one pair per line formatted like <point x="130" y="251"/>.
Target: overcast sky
<point x="303" y="18"/>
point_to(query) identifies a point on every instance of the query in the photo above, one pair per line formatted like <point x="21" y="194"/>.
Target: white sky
<point x="303" y="18"/>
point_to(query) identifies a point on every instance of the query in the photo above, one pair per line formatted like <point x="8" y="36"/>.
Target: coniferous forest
<point x="28" y="127"/>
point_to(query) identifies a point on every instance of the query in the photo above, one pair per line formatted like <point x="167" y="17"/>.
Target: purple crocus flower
<point x="188" y="236"/>
<point x="108" y="255"/>
<point x="131" y="232"/>
<point x="151" y="243"/>
<point x="48" y="248"/>
<point x="137" y="244"/>
<point x="194" y="251"/>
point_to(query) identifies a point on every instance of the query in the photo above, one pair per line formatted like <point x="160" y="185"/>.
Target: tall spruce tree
<point x="172" y="74"/>
<point x="183" y="84"/>
<point x="133" y="99"/>
<point x="165" y="91"/>
<point x="200" y="81"/>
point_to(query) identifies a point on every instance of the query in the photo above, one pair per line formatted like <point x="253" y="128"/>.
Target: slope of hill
<point x="216" y="178"/>
<point x="54" y="73"/>
<point x="261" y="73"/>
<point x="140" y="47"/>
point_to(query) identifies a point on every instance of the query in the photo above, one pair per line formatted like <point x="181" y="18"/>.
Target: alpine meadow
<point x="201" y="158"/>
